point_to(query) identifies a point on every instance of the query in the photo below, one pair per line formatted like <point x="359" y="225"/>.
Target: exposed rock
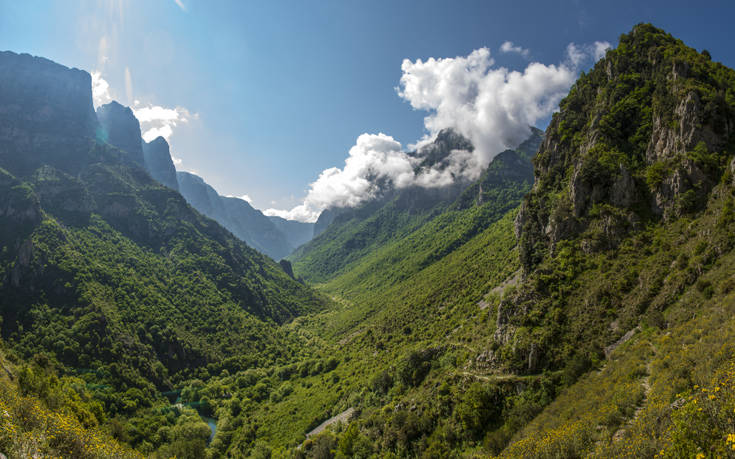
<point x="324" y="220"/>
<point x="239" y="217"/>
<point x="64" y="196"/>
<point x="618" y="167"/>
<point x="158" y="162"/>
<point x="121" y="129"/>
<point x="287" y="268"/>
<point x="46" y="114"/>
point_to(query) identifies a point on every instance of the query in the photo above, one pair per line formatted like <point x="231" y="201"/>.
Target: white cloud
<point x="493" y="107"/>
<point x="156" y="120"/>
<point x="599" y="48"/>
<point x="181" y="5"/>
<point x="509" y="47"/>
<point x="100" y="89"/>
<point x="374" y="161"/>
<point x="177" y="161"/>
<point x="244" y="197"/>
<point x="581" y="54"/>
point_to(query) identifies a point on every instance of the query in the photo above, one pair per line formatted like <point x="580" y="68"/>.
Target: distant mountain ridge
<point x="235" y="214"/>
<point x="119" y="127"/>
<point x="94" y="248"/>
<point x="343" y="236"/>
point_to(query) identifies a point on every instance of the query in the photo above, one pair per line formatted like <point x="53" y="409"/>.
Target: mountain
<point x="354" y="234"/>
<point x="237" y="215"/>
<point x="589" y="314"/>
<point x="35" y="124"/>
<point x="120" y="128"/>
<point x="576" y="300"/>
<point x="109" y="282"/>
<point x="297" y="233"/>
<point x="158" y="162"/>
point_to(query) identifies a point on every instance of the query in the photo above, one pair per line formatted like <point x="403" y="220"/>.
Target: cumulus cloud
<point x="100" y="89"/>
<point x="509" y="47"/>
<point x="493" y="107"/>
<point x="374" y="161"/>
<point x="156" y="120"/>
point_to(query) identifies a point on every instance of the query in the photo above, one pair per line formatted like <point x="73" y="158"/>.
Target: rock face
<point x="121" y="129"/>
<point x="46" y="114"/>
<point x="245" y="222"/>
<point x="413" y="199"/>
<point x="158" y="162"/>
<point x="640" y="137"/>
<point x="446" y="141"/>
<point x="325" y="219"/>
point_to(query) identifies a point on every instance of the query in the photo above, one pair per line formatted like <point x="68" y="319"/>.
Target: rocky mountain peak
<point x="158" y="162"/>
<point x="121" y="129"/>
<point x="437" y="151"/>
<point x="642" y="136"/>
<point x="45" y="107"/>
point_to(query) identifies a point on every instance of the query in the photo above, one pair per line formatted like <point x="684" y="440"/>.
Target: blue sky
<point x="275" y="92"/>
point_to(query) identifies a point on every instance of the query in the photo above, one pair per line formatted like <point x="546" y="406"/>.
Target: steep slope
<point x="354" y="234"/>
<point x="245" y="222"/>
<point x="108" y="275"/>
<point x="44" y="127"/>
<point x="120" y="128"/>
<point x="158" y="162"/>
<point x="606" y="330"/>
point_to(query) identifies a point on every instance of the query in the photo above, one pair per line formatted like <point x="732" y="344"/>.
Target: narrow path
<point x="341" y="417"/>
<point x="646" y="384"/>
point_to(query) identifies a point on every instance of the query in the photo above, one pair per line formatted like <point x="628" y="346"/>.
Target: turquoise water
<point x="212" y="423"/>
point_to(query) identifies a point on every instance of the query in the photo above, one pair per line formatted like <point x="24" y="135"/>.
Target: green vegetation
<point x="605" y="330"/>
<point x="115" y="282"/>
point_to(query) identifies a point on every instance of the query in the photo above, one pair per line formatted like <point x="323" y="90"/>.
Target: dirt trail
<point x="646" y="384"/>
<point x="341" y="417"/>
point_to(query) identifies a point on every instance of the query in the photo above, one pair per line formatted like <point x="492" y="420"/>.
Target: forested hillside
<point x="613" y="331"/>
<point x="357" y="234"/>
<point x="109" y="276"/>
<point x="576" y="300"/>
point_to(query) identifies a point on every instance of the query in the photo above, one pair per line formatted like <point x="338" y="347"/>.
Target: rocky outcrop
<point x="46" y="114"/>
<point x="640" y="137"/>
<point x="437" y="152"/>
<point x="121" y="129"/>
<point x="325" y="219"/>
<point x="158" y="162"/>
